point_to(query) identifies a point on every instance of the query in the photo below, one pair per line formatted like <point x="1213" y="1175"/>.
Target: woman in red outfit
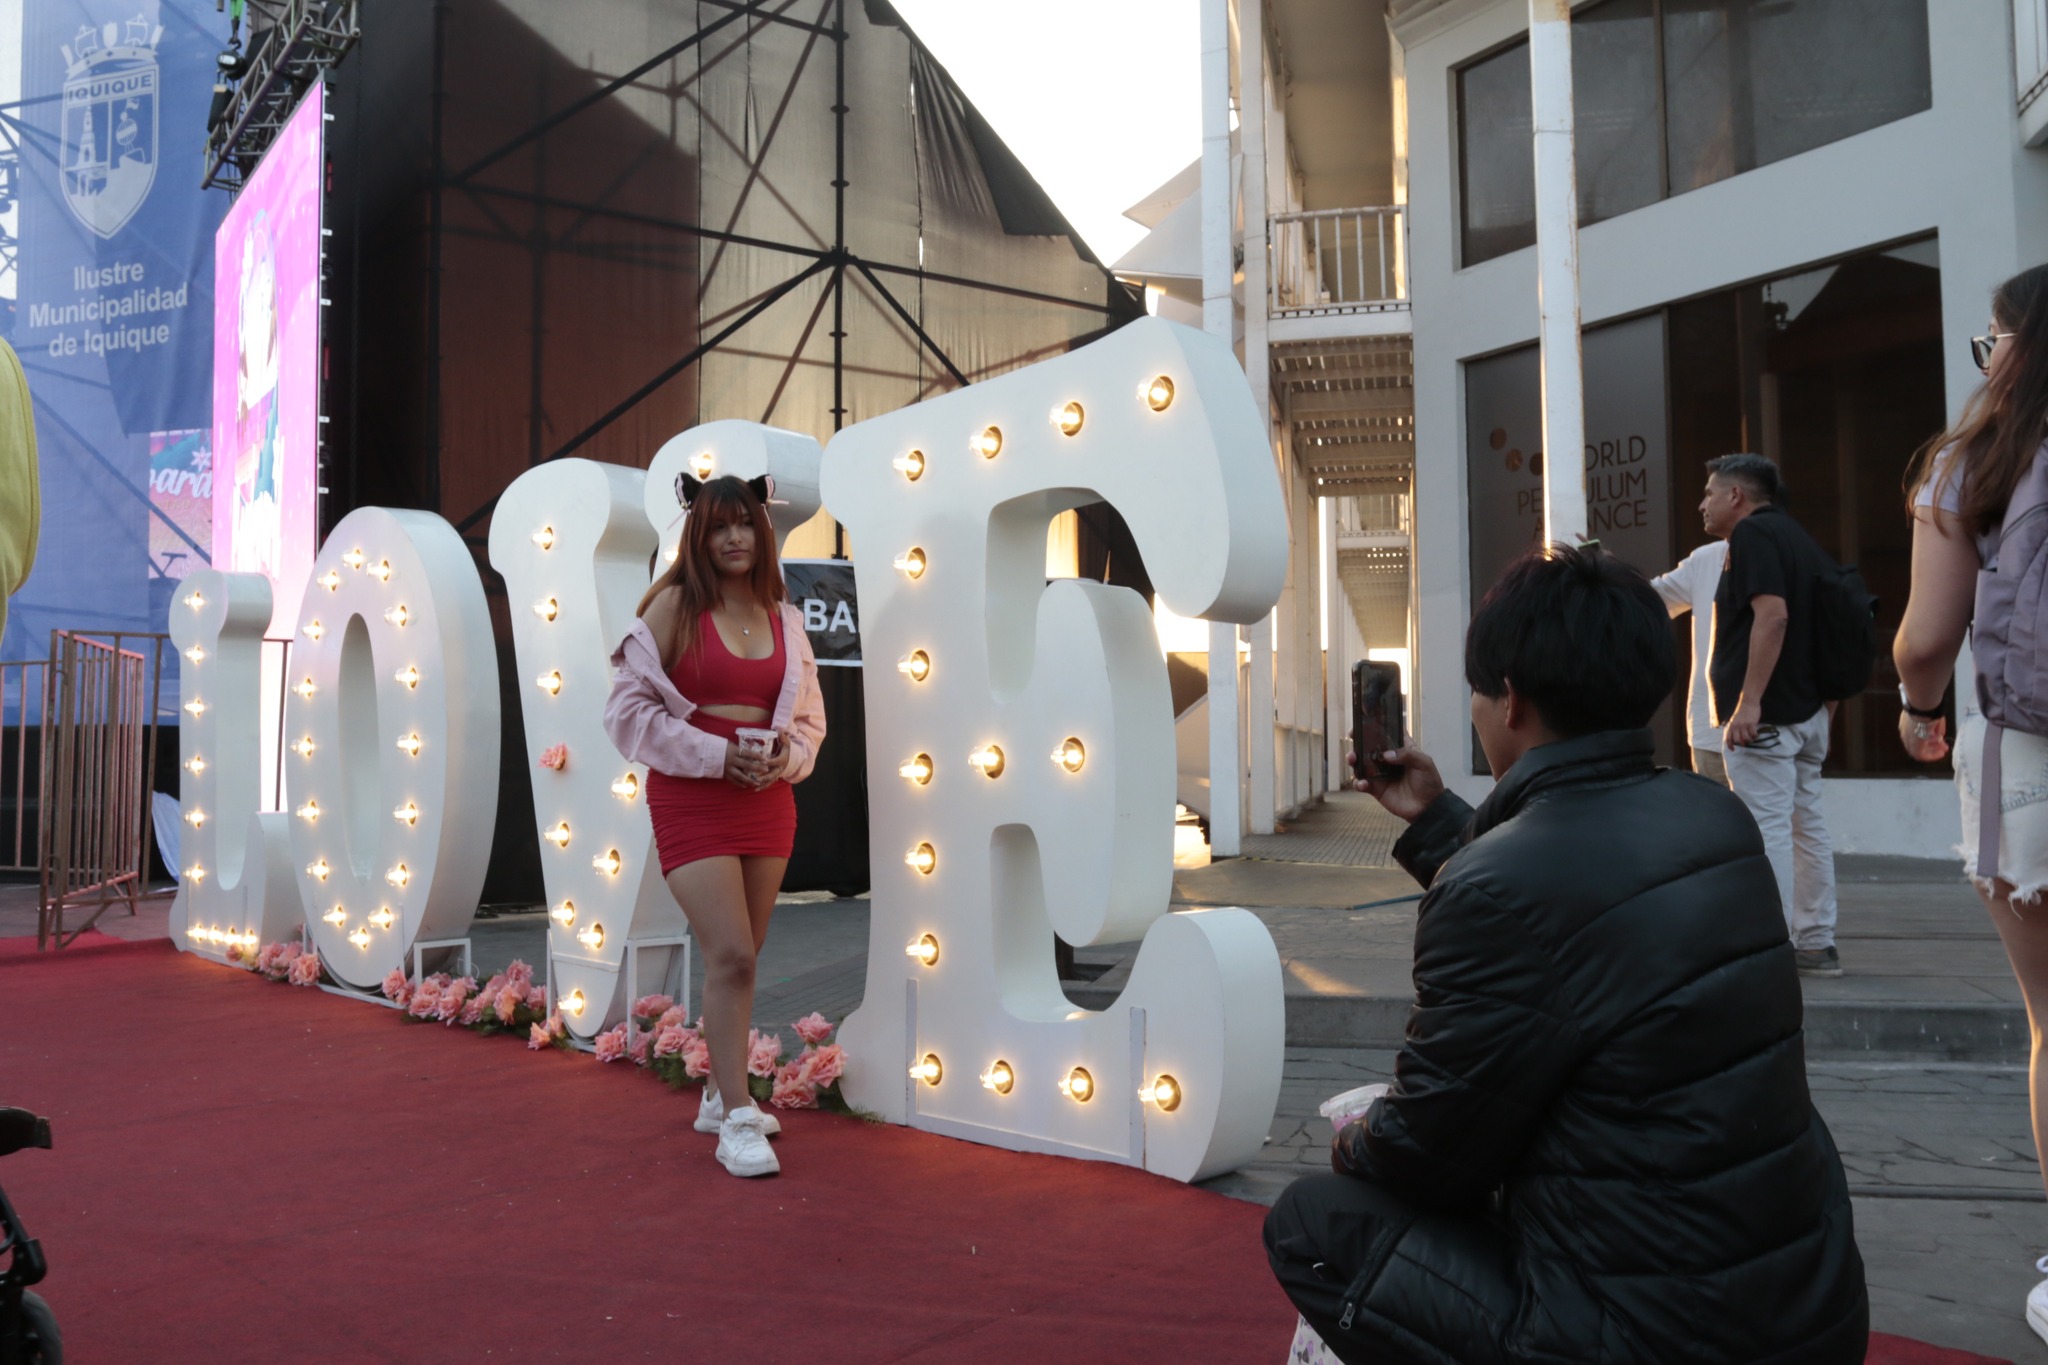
<point x="734" y="656"/>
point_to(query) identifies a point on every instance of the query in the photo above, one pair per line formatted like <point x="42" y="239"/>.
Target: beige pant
<point x="1708" y="763"/>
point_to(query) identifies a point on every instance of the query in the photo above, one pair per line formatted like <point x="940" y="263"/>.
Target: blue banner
<point x="114" y="315"/>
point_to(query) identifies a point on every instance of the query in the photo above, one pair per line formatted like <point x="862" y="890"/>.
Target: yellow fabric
<point x="21" y="502"/>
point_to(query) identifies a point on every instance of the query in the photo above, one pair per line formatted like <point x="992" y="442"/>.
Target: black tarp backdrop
<point x="580" y="229"/>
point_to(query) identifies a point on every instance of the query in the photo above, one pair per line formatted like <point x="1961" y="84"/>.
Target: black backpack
<point x="1844" y="630"/>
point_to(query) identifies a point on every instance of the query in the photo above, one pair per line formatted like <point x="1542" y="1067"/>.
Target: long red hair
<point x="721" y="502"/>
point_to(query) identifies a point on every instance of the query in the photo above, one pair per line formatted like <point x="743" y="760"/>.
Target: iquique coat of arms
<point x="109" y="126"/>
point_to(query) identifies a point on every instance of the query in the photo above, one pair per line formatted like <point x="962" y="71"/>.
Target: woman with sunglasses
<point x="715" y="689"/>
<point x="1958" y="490"/>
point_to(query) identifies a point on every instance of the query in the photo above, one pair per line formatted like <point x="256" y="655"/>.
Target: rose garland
<point x="663" y="1043"/>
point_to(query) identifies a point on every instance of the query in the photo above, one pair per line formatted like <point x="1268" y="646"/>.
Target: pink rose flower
<point x="793" y="1088"/>
<point x="668" y="1042"/>
<point x="672" y="1017"/>
<point x="696" y="1057"/>
<point x="395" y="985"/>
<point x="555" y="1027"/>
<point x="611" y="1044"/>
<point x="491" y="988"/>
<point x="643" y="1045"/>
<point x="813" y="1028"/>
<point x="538" y="1037"/>
<point x="827" y="1064"/>
<point x="653" y="1006"/>
<point x="555" y="756"/>
<point x="472" y="1013"/>
<point x="426" y="999"/>
<point x="304" y="970"/>
<point x="234" y="952"/>
<point x="506" y="1006"/>
<point x="518" y="971"/>
<point x="266" y="959"/>
<point x="453" y="996"/>
<point x="764" y="1052"/>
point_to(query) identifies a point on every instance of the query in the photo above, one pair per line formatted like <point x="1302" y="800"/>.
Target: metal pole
<point x="1557" y="272"/>
<point x="1219" y="319"/>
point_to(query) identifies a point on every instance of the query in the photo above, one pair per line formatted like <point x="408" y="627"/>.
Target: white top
<point x="1690" y="588"/>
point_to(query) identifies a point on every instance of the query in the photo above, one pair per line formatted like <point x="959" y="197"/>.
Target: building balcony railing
<point x="1339" y="260"/>
<point x="2030" y="50"/>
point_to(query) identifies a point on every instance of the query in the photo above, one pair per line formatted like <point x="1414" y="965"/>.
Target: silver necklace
<point x="744" y="630"/>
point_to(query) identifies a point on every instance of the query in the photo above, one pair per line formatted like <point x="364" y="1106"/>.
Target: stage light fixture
<point x="1164" y="1092"/>
<point x="923" y="858"/>
<point x="399" y="874"/>
<point x="916" y="665"/>
<point x="318" y="869"/>
<point x="382" y="917"/>
<point x="195" y="817"/>
<point x="306" y="688"/>
<point x="546" y="609"/>
<point x="701" y="464"/>
<point x="550" y="682"/>
<point x="314" y="630"/>
<point x="987" y="760"/>
<point x="1077" y="1085"/>
<point x="564" y="914"/>
<point x="1068" y="419"/>
<point x="304" y="746"/>
<point x="381" y="571"/>
<point x="398" y="615"/>
<point x="310" y="812"/>
<point x="592" y="938"/>
<point x="1070" y="755"/>
<point x="911" y="563"/>
<point x="195" y="765"/>
<point x="573" y="1002"/>
<point x="1000" y="1077"/>
<point x="409" y="675"/>
<point x="607" y="862"/>
<point x="989" y="443"/>
<point x="196" y="706"/>
<point x="330" y="581"/>
<point x="909" y="464"/>
<point x="925" y="949"/>
<point x="918" y="770"/>
<point x="1159" y="394"/>
<point x="337" y="917"/>
<point x="559" y="835"/>
<point x="195" y="599"/>
<point x="355" y="559"/>
<point x="627" y="787"/>
<point x="407" y="814"/>
<point x="360" y="937"/>
<point x="195" y="654"/>
<point x="409" y="745"/>
<point x="929" y="1070"/>
<point x="545" y="537"/>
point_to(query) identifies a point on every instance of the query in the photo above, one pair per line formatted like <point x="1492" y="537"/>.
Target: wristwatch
<point x="1906" y="705"/>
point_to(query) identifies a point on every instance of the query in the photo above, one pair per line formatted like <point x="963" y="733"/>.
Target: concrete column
<point x="1251" y="112"/>
<point x="1337" y="664"/>
<point x="1308" y="681"/>
<point x="1557" y="271"/>
<point x="1219" y="319"/>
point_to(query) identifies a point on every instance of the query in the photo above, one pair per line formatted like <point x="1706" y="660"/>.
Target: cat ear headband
<point x="762" y="487"/>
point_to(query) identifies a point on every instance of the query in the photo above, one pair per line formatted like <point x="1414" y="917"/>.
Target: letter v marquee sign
<point x="1021" y="757"/>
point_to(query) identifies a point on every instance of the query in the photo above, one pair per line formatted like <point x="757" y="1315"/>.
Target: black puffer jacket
<point x="1607" y="1033"/>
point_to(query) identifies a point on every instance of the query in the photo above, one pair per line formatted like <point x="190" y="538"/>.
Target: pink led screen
<point x="266" y="365"/>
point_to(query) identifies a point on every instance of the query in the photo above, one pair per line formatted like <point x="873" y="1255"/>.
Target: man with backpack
<point x="1768" y="694"/>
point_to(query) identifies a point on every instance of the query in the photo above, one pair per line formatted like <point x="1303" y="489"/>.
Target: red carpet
<point x="92" y="940"/>
<point x="250" y="1172"/>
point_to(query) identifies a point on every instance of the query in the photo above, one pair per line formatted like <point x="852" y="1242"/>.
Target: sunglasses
<point x="1981" y="347"/>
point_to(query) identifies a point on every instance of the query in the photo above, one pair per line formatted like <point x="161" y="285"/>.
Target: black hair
<point x="1758" y="473"/>
<point x="1584" y="638"/>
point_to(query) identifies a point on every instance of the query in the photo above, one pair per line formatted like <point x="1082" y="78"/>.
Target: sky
<point x="1101" y="99"/>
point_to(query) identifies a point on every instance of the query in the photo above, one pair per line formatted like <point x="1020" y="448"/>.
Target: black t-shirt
<point x="1769" y="555"/>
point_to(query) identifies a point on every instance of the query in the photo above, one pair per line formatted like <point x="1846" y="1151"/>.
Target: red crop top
<point x="712" y="675"/>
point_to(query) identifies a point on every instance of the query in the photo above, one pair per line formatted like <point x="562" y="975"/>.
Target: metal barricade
<point x="98" y="741"/>
<point x="24" y="699"/>
<point x="1337" y="260"/>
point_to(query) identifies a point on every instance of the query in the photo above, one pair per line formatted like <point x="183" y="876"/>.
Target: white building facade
<point x="1792" y="217"/>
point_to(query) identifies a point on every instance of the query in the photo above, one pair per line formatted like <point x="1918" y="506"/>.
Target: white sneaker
<point x="742" y="1147"/>
<point x="711" y="1114"/>
<point x="2037" y="1303"/>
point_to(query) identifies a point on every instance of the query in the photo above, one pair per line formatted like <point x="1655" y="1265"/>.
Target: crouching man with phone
<point x="1598" y="1144"/>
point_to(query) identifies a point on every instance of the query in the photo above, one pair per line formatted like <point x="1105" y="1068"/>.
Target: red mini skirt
<point x="709" y="817"/>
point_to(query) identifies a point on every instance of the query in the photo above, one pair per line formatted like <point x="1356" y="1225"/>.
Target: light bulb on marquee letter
<point x="1082" y="846"/>
<point x="434" y="677"/>
<point x="256" y="888"/>
<point x="583" y="579"/>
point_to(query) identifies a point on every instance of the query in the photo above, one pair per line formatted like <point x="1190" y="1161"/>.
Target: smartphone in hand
<point x="1378" y="719"/>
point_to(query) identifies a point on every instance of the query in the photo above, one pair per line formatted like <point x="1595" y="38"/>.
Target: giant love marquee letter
<point x="573" y="540"/>
<point x="1021" y="759"/>
<point x="391" y="730"/>
<point x="236" y="888"/>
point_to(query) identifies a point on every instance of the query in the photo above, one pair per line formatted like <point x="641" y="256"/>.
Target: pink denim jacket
<point x="649" y="720"/>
